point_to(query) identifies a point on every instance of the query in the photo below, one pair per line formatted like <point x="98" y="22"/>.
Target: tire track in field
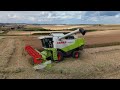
<point x="18" y="61"/>
<point x="7" y="49"/>
<point x="13" y="58"/>
<point x="3" y="44"/>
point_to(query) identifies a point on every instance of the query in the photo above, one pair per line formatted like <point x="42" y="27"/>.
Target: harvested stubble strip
<point x="6" y="53"/>
<point x="11" y="70"/>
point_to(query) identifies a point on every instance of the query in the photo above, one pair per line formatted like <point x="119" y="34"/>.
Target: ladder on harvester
<point x="54" y="52"/>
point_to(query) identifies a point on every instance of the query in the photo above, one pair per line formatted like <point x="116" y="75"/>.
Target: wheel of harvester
<point x="76" y="54"/>
<point x="60" y="56"/>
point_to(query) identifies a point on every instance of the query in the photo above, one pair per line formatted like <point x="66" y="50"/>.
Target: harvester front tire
<point x="60" y="56"/>
<point x="76" y="54"/>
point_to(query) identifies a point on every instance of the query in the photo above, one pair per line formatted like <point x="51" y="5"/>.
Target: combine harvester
<point x="56" y="47"/>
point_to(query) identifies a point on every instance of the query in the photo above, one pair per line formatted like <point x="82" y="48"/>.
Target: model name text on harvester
<point x="63" y="42"/>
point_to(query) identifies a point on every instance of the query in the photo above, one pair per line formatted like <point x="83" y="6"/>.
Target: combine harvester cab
<point x="57" y="46"/>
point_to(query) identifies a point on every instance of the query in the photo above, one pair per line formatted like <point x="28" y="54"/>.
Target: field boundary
<point x="102" y="45"/>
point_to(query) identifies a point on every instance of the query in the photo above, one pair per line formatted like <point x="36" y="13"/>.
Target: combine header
<point x="57" y="46"/>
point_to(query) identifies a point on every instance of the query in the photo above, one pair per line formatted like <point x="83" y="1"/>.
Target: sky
<point x="60" y="17"/>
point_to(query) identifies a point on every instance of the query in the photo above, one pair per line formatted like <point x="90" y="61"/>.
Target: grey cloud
<point x="60" y="17"/>
<point x="101" y="13"/>
<point x="109" y="13"/>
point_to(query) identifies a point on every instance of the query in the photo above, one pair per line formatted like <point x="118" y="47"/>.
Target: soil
<point x="94" y="63"/>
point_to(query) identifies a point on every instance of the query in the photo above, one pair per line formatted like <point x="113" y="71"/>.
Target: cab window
<point x="47" y="43"/>
<point x="70" y="37"/>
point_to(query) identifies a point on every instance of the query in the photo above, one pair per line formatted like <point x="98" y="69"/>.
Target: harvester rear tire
<point x="60" y="56"/>
<point x="76" y="54"/>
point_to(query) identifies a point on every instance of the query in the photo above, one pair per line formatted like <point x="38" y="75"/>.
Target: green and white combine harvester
<point x="57" y="46"/>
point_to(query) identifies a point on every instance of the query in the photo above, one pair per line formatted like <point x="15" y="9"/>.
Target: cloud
<point x="32" y="18"/>
<point x="60" y="17"/>
<point x="109" y="13"/>
<point x="14" y="16"/>
<point x="117" y="16"/>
